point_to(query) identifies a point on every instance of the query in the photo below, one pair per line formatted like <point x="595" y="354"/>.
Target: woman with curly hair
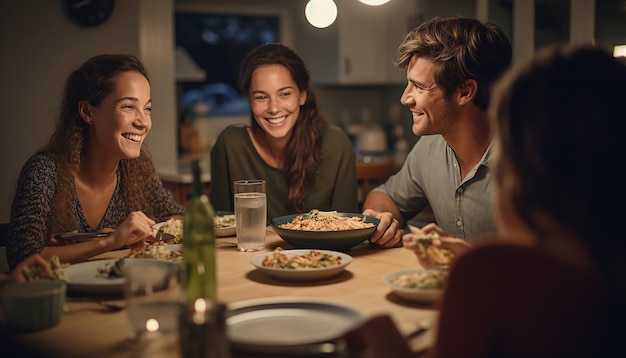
<point x="94" y="175"/>
<point x="306" y="163"/>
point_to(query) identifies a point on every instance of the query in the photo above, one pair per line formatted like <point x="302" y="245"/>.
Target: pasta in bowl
<point x="324" y="230"/>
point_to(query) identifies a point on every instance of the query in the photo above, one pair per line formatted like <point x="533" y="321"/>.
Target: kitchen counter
<point x="178" y="178"/>
<point x="181" y="175"/>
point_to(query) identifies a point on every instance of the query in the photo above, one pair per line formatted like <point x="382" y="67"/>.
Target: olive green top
<point x="234" y="158"/>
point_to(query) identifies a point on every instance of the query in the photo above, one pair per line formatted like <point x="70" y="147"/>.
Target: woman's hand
<point x="31" y="262"/>
<point x="444" y="242"/>
<point x="132" y="232"/>
<point x="388" y="233"/>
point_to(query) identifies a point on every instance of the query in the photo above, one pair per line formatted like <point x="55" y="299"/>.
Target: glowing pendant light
<point x="321" y="13"/>
<point x="374" y="2"/>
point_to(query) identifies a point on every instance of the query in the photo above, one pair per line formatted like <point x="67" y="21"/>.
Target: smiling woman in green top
<point x="306" y="163"/>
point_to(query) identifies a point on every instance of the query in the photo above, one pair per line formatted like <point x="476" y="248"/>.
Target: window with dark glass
<point x="218" y="43"/>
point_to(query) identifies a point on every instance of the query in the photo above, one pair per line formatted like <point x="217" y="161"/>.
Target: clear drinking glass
<point x="250" y="214"/>
<point x="154" y="296"/>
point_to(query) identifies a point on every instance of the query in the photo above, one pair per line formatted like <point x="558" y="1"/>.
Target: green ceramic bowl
<point x="32" y="306"/>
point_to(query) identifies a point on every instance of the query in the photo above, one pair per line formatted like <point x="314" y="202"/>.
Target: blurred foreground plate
<point x="287" y="324"/>
<point x="302" y="274"/>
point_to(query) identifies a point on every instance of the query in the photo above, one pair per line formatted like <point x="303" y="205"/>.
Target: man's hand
<point x="388" y="233"/>
<point x="433" y="247"/>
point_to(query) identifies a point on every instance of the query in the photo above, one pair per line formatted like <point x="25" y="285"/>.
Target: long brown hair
<point x="461" y="49"/>
<point x="302" y="154"/>
<point x="559" y="123"/>
<point x="92" y="81"/>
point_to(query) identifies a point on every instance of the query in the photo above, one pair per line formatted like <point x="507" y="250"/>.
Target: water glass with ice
<point x="250" y="214"/>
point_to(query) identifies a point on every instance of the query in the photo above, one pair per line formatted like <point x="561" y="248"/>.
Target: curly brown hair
<point x="302" y="154"/>
<point x="461" y="49"/>
<point x="92" y="81"/>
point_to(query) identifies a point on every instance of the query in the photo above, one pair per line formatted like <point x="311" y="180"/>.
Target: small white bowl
<point x="32" y="306"/>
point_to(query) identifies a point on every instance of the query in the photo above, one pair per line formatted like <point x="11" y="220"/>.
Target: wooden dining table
<point x="88" y="329"/>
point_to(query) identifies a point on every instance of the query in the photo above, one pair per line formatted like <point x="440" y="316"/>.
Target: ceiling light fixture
<point x="374" y="2"/>
<point x="321" y="13"/>
<point x="619" y="51"/>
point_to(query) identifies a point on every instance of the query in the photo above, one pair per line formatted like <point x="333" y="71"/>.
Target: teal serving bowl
<point x="32" y="306"/>
<point x="342" y="240"/>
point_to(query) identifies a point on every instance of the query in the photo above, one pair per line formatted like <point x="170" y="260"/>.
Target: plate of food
<point x="301" y="265"/>
<point x="288" y="325"/>
<point x="160" y="252"/>
<point x="225" y="224"/>
<point x="328" y="230"/>
<point x="100" y="276"/>
<point x="417" y="284"/>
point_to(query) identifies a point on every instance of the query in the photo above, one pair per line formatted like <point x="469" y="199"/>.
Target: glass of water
<point x="154" y="296"/>
<point x="250" y="214"/>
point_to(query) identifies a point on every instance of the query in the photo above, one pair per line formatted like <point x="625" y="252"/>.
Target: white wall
<point x="40" y="46"/>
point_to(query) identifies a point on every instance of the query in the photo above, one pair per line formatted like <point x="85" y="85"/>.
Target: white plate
<point x="281" y="324"/>
<point x="302" y="274"/>
<point x="411" y="294"/>
<point x="219" y="232"/>
<point x="225" y="231"/>
<point x="174" y="247"/>
<point x="84" y="277"/>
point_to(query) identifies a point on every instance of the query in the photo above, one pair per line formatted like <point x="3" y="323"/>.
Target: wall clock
<point x="88" y="12"/>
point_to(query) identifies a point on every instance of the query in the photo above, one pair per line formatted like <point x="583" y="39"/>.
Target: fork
<point x="158" y="235"/>
<point x="114" y="307"/>
<point x="110" y="306"/>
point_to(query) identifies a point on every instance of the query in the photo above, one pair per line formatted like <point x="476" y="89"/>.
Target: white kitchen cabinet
<point x="359" y="48"/>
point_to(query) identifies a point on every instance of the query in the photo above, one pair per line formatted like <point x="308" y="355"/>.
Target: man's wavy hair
<point x="302" y="155"/>
<point x="461" y="49"/>
<point x="92" y="81"/>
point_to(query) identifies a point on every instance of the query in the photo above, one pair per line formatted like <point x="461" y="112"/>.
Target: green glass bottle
<point x="199" y="243"/>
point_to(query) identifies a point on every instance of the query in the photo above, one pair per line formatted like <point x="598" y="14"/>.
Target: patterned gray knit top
<point x="33" y="201"/>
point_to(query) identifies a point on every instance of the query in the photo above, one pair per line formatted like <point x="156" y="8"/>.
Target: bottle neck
<point x="196" y="186"/>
